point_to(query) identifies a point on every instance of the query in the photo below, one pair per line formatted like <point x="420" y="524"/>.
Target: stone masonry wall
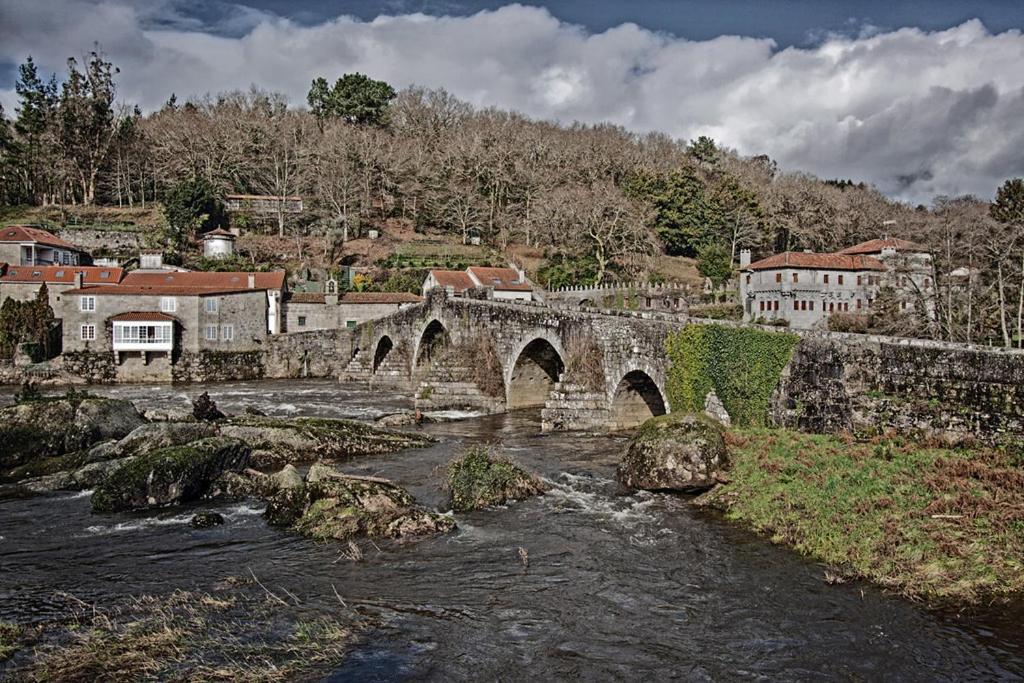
<point x="320" y="353"/>
<point x="871" y="385"/>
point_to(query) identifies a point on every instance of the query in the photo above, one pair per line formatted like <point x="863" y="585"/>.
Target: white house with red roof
<point x="26" y="245"/>
<point x="804" y="288"/>
<point x="505" y="284"/>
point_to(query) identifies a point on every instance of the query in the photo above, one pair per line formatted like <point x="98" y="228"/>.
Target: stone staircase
<point x="575" y="405"/>
<point x="446" y="387"/>
<point x="360" y="368"/>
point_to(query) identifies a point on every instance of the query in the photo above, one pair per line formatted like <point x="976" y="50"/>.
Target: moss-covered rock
<point x="337" y="507"/>
<point x="479" y="479"/>
<point x="170" y="475"/>
<point x="675" y="452"/>
<point x="55" y="427"/>
<point x="279" y="441"/>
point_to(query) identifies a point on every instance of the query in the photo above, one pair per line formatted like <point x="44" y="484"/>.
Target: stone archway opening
<point x="637" y="399"/>
<point x="433" y="341"/>
<point x="384" y="347"/>
<point x="534" y="375"/>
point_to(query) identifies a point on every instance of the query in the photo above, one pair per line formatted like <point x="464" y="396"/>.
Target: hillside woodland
<point x="593" y="203"/>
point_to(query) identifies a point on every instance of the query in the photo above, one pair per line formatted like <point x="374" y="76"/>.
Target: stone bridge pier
<point x="582" y="370"/>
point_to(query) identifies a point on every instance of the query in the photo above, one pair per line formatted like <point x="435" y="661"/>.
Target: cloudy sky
<point x="918" y="97"/>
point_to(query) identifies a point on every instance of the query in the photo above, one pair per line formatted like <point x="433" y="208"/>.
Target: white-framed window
<point x="168" y="304"/>
<point x="211" y="305"/>
<point x="227" y="332"/>
<point x="211" y="333"/>
<point x="88" y="333"/>
<point x="87" y="303"/>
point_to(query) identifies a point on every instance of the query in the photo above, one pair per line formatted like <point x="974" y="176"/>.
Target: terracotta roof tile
<point x="91" y="275"/>
<point x="306" y="298"/>
<point x="190" y="283"/>
<point x="800" y="259"/>
<point x="219" y="232"/>
<point x="143" y="316"/>
<point x="876" y="246"/>
<point x="502" y="279"/>
<point x="26" y="233"/>
<point x="458" y="280"/>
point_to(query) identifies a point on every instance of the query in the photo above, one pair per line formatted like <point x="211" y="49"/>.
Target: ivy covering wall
<point x="743" y="366"/>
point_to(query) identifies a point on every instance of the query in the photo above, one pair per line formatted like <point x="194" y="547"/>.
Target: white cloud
<point x="916" y="113"/>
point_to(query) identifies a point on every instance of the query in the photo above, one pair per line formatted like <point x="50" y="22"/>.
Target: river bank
<point x="934" y="524"/>
<point x="615" y="584"/>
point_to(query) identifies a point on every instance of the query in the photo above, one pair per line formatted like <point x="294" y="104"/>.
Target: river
<point x="617" y="586"/>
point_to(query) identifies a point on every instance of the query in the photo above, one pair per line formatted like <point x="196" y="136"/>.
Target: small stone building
<point x="26" y="245"/>
<point x="503" y="284"/>
<point x="22" y="283"/>
<point x="219" y="243"/>
<point x="307" y="311"/>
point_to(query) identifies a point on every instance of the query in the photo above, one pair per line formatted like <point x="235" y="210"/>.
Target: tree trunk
<point x="1020" y="307"/>
<point x="1002" y="308"/>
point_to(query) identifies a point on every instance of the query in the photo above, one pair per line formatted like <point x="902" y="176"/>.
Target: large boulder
<point x="478" y="480"/>
<point x="170" y="475"/>
<point x="57" y="426"/>
<point x="339" y="507"/>
<point x="86" y="468"/>
<point x="279" y="441"/>
<point x="675" y="453"/>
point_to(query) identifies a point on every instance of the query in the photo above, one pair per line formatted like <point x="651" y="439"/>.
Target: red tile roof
<point x="91" y="275"/>
<point x="502" y="279"/>
<point x="219" y="232"/>
<point x="306" y="298"/>
<point x="25" y="233"/>
<point x="800" y="259"/>
<point x="380" y="298"/>
<point x="876" y="246"/>
<point x="143" y="316"/>
<point x="458" y="280"/>
<point x="190" y="283"/>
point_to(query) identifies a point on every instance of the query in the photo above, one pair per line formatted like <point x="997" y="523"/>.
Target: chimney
<point x="744" y="258"/>
<point x="79" y="279"/>
<point x="252" y="280"/>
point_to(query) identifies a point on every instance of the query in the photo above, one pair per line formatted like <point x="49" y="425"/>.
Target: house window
<point x="762" y="306"/>
<point x="840" y="279"/>
<point x="66" y="259"/>
<point x="776" y="305"/>
<point x="227" y="332"/>
<point x="858" y="280"/>
<point x="927" y="283"/>
<point x="88" y="332"/>
<point x="803" y="305"/>
<point x="302" y="321"/>
<point x="796" y="277"/>
<point x="812" y="306"/>
<point x="168" y="304"/>
<point x="796" y="305"/>
<point x="87" y="303"/>
<point x="349" y="324"/>
<point x="211" y="305"/>
<point x="778" y="277"/>
<point x="858" y="304"/>
<point x="825" y="278"/>
<point x="831" y="307"/>
<point x="748" y="279"/>
<point x="211" y="333"/>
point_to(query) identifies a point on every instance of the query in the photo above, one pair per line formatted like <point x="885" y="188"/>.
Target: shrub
<point x="479" y="479"/>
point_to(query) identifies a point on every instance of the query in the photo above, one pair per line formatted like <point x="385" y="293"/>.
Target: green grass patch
<point x="10" y="639"/>
<point x="930" y="523"/>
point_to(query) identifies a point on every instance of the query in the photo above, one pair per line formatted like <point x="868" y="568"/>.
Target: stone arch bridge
<point x="597" y="370"/>
<point x="585" y="370"/>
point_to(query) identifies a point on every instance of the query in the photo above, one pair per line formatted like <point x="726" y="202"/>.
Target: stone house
<point x="307" y="311"/>
<point x="504" y="284"/>
<point x="908" y="270"/>
<point x="23" y="245"/>
<point x="263" y="203"/>
<point x="805" y="288"/>
<point x="150" y="321"/>
<point x="22" y="283"/>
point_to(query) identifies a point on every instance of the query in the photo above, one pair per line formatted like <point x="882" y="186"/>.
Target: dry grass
<point x="185" y="636"/>
<point x="584" y="363"/>
<point x="941" y="525"/>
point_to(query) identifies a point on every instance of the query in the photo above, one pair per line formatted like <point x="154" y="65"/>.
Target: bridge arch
<point x="533" y="370"/>
<point x="432" y="339"/>
<point x="636" y="399"/>
<point x="383" y="349"/>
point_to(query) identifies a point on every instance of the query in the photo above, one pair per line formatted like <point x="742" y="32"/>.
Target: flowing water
<point x="617" y="586"/>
